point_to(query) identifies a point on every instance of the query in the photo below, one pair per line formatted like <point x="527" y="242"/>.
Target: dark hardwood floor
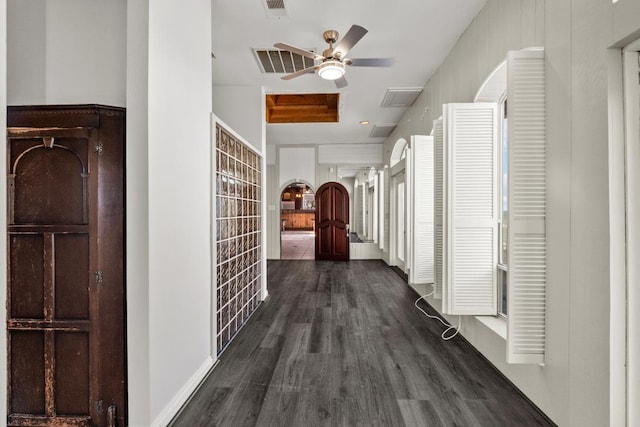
<point x="341" y="344"/>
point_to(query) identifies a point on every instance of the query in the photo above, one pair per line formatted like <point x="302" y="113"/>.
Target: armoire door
<point x="332" y="222"/>
<point x="65" y="235"/>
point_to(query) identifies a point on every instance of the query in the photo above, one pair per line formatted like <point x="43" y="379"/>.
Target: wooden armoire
<point x="66" y="269"/>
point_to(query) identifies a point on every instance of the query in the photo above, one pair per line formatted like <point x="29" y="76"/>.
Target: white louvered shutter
<point x="438" y="195"/>
<point x="382" y="213"/>
<point x="408" y="211"/>
<point x="527" y="252"/>
<point x="471" y="140"/>
<point x="421" y="246"/>
<point x="374" y="204"/>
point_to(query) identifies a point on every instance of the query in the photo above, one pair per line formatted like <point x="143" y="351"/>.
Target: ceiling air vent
<point x="382" y="131"/>
<point x="400" y="97"/>
<point x="275" y="8"/>
<point x="281" y="61"/>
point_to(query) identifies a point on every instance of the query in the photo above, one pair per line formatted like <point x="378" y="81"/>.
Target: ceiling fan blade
<point x="300" y="72"/>
<point x="370" y="62"/>
<point x="302" y="52"/>
<point x="353" y="36"/>
<point x="341" y="82"/>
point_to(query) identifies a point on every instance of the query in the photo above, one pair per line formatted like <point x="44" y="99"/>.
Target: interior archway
<point x="297" y="221"/>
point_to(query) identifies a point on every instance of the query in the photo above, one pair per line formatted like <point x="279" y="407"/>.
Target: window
<point x="491" y="253"/>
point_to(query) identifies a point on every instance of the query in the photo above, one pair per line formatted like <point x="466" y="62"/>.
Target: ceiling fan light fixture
<point x="331" y="70"/>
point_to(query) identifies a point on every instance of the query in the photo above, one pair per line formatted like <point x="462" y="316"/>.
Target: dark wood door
<point x="65" y="305"/>
<point x="332" y="222"/>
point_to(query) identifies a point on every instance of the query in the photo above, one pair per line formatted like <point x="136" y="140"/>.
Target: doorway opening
<point x="297" y="222"/>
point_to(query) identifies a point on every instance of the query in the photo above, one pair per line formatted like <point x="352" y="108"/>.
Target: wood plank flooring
<point x="341" y="344"/>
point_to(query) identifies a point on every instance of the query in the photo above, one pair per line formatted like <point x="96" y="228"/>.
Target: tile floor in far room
<point x="297" y="245"/>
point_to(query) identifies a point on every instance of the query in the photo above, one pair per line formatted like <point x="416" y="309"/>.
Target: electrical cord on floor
<point x="449" y="326"/>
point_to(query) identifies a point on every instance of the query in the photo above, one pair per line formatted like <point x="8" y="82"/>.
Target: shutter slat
<point x="527" y="208"/>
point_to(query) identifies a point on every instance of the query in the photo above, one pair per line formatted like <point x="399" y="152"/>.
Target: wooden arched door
<point x="332" y="222"/>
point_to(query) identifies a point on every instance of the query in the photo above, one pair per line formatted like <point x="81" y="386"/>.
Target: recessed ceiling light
<point x="364" y="122"/>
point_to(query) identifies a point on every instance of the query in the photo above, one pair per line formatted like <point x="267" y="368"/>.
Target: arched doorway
<point x="297" y="222"/>
<point x="398" y="203"/>
<point x="332" y="222"/>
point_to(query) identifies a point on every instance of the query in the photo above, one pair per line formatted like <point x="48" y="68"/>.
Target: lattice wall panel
<point x="238" y="234"/>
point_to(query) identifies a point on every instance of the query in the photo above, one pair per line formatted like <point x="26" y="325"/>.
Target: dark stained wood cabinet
<point x="66" y="281"/>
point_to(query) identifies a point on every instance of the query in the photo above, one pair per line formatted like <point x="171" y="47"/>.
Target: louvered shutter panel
<point x="408" y="210"/>
<point x="527" y="252"/>
<point x="470" y="135"/>
<point x="382" y="213"/>
<point x="374" y="204"/>
<point x="438" y="250"/>
<point x="421" y="246"/>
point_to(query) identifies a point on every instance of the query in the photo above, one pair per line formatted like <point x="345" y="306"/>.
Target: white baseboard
<point x="167" y="414"/>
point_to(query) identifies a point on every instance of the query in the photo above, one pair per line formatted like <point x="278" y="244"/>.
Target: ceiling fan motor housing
<point x="330" y="36"/>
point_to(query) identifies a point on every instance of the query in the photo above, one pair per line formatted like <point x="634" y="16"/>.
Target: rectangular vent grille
<point x="400" y="97"/>
<point x="275" y="8"/>
<point x="281" y="61"/>
<point x="275" y="4"/>
<point x="382" y="131"/>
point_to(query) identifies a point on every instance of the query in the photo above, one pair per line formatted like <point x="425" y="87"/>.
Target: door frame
<point x="279" y="207"/>
<point x="347" y="225"/>
<point x="398" y="174"/>
<point x="624" y="224"/>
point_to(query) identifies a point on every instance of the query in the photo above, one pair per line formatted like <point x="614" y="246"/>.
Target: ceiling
<point x="418" y="34"/>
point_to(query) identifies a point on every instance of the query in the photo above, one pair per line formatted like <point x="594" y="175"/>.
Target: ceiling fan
<point x="333" y="60"/>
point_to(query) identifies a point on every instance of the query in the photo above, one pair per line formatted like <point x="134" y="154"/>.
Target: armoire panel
<point x="49" y="186"/>
<point x="72" y="373"/>
<point x="71" y="253"/>
<point x="27" y="373"/>
<point x="26" y="276"/>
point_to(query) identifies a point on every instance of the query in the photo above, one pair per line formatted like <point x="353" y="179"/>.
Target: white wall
<point x="297" y="164"/>
<point x="179" y="106"/>
<point x="67" y="51"/>
<point x="242" y="108"/>
<point x="273" y="213"/>
<point x="26" y="51"/>
<point x="137" y="214"/>
<point x="573" y="386"/>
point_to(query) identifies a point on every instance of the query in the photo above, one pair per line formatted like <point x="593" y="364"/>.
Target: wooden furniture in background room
<point x="66" y="281"/>
<point x="297" y="208"/>
<point x="298" y="219"/>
